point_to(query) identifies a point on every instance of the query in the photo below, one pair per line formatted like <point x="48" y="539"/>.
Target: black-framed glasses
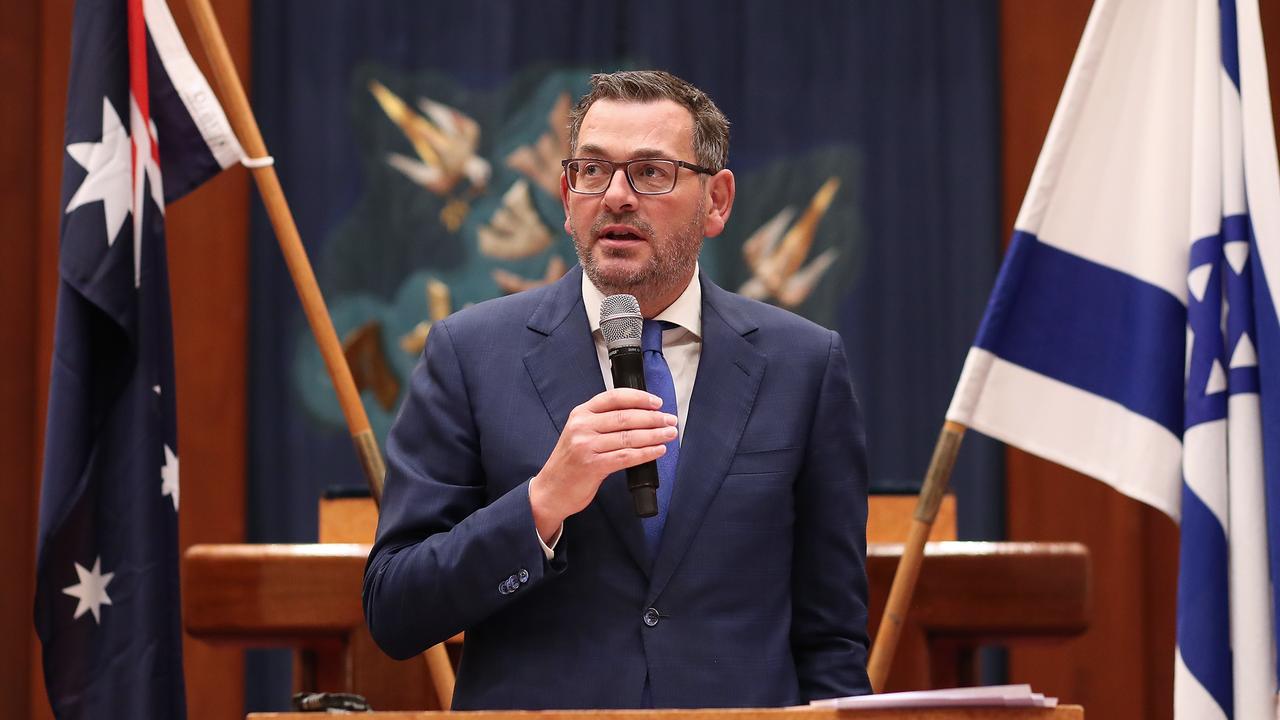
<point x="647" y="176"/>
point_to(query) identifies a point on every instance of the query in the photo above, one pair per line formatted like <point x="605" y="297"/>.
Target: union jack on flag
<point x="143" y="128"/>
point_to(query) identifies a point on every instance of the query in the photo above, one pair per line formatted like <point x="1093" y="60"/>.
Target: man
<point x="506" y="512"/>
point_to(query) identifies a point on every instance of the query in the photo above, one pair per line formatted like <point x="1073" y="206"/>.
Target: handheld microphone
<point x="622" y="324"/>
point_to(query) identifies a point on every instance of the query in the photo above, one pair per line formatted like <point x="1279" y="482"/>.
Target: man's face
<point x="627" y="242"/>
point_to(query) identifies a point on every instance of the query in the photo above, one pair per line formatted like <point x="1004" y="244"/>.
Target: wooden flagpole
<point x="904" y="579"/>
<point x="264" y="175"/>
<point x="295" y="256"/>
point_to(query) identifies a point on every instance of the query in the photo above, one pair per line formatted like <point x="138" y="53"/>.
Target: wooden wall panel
<point x="1123" y="667"/>
<point x="1037" y="42"/>
<point x="208" y="257"/>
<point x="54" y="40"/>
<point x="209" y="270"/>
<point x="19" y="45"/>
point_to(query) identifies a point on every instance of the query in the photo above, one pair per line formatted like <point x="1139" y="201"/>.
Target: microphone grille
<point x="621" y="322"/>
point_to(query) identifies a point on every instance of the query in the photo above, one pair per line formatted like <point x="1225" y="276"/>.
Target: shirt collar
<point x="686" y="311"/>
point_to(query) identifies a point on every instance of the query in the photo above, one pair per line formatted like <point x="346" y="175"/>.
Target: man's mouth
<point x="620" y="233"/>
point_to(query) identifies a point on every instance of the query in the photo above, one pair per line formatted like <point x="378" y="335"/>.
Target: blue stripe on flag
<point x="1090" y="326"/>
<point x="1203" y="615"/>
<point x="1267" y="342"/>
<point x="1230" y="41"/>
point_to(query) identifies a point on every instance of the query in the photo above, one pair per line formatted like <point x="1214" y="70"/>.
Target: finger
<point x="619" y="420"/>
<point x="612" y="462"/>
<point x="635" y="439"/>
<point x="623" y="398"/>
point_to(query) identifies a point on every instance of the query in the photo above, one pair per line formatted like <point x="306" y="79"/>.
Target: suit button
<point x="503" y="589"/>
<point x="651" y="617"/>
<point x="524" y="575"/>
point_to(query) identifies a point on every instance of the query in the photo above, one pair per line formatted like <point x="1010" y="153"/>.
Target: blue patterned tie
<point x="657" y="380"/>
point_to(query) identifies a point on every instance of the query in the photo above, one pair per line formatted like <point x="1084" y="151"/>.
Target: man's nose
<point x="619" y="196"/>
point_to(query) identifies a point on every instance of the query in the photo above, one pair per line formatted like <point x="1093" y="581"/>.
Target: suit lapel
<point x="566" y="373"/>
<point x="729" y="374"/>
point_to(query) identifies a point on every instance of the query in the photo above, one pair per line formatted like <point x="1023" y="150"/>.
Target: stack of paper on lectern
<point x="990" y="696"/>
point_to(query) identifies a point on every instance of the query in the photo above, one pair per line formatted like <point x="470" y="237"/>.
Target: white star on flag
<point x="169" y="477"/>
<point x="109" y="169"/>
<point x="91" y="590"/>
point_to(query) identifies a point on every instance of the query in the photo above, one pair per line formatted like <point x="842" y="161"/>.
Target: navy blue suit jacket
<point x="757" y="596"/>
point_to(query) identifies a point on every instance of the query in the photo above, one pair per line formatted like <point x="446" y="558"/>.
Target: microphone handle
<point x="627" y="365"/>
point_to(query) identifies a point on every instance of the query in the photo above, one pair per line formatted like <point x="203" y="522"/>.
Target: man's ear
<point x="720" y="190"/>
<point x="564" y="200"/>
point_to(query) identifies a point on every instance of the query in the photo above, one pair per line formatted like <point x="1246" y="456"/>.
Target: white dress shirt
<point x="681" y="347"/>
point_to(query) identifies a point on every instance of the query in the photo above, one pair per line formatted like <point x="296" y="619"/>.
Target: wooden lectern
<point x="307" y="597"/>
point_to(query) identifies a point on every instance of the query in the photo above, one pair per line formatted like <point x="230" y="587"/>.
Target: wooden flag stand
<point x="261" y="166"/>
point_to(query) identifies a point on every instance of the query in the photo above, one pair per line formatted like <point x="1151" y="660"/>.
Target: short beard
<point x="662" y="274"/>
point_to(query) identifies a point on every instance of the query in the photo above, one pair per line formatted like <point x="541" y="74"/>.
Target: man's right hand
<point x="614" y="430"/>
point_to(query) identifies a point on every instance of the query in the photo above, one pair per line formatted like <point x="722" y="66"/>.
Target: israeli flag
<point x="1132" y="333"/>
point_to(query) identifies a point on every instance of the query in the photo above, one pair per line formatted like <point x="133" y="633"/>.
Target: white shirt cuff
<point x="550" y="550"/>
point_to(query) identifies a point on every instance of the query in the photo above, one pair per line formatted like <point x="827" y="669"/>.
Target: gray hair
<point x="710" y="126"/>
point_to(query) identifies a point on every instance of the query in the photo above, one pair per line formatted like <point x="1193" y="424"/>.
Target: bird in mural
<point x="540" y="162"/>
<point x="515" y="231"/>
<point x="444" y="139"/>
<point x="439" y="307"/>
<point x="512" y="283"/>
<point x="777" y="250"/>
<point x="368" y="362"/>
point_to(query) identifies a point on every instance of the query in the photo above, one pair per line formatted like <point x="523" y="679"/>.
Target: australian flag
<point x="142" y="129"/>
<point x="1132" y="334"/>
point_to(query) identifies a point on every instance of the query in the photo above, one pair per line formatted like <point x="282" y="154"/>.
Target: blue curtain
<point x="891" y="108"/>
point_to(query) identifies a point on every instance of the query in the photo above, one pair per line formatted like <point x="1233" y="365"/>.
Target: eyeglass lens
<point x="647" y="176"/>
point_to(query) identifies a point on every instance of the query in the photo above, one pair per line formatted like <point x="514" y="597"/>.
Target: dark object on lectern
<point x="330" y="702"/>
<point x="342" y="492"/>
